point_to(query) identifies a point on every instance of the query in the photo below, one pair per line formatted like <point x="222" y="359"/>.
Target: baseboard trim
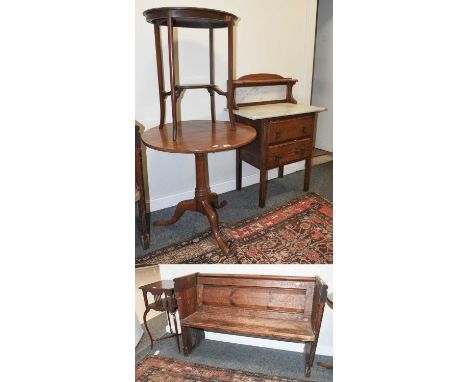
<point x="230" y="185"/>
<point x="264" y="343"/>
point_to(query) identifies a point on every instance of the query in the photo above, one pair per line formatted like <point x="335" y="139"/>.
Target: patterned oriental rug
<point x="299" y="232"/>
<point x="158" y="369"/>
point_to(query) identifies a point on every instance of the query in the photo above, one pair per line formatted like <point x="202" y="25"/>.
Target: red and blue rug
<point x="158" y="369"/>
<point x="298" y="232"/>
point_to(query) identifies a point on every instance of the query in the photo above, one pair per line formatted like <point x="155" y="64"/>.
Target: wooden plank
<point x="257" y="277"/>
<point x="254" y="313"/>
<point x="260" y="327"/>
<point x="260" y="282"/>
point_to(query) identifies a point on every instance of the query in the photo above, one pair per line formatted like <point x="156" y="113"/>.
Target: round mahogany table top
<point x="190" y="17"/>
<point x="199" y="137"/>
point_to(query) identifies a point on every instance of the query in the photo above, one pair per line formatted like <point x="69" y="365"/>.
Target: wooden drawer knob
<point x="304" y="129"/>
<point x="277" y="134"/>
<point x="277" y="157"/>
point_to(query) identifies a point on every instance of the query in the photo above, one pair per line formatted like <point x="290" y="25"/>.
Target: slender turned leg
<point x="307" y="169"/>
<point x="213" y="219"/>
<point x="238" y="170"/>
<point x="230" y="89"/>
<point x="146" y="326"/>
<point x="212" y="80"/>
<point x="263" y="187"/>
<point x="176" y="331"/>
<point x="180" y="209"/>
<point x="170" y="38"/>
<point x="213" y="198"/>
<point x="280" y="171"/>
<point x="160" y="68"/>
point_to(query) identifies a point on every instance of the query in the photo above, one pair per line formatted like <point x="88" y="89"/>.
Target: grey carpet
<point x="241" y="205"/>
<point x="233" y="356"/>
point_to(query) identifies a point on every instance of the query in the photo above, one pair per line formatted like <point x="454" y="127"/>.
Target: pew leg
<point x="309" y="353"/>
<point x="191" y="337"/>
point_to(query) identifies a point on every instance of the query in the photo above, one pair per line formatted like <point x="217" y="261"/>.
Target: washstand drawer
<point x="289" y="129"/>
<point x="288" y="152"/>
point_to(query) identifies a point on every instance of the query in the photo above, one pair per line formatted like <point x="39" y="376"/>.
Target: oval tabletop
<point x="199" y="137"/>
<point x="190" y="17"/>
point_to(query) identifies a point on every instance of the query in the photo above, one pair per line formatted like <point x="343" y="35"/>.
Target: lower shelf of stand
<point x="200" y="136"/>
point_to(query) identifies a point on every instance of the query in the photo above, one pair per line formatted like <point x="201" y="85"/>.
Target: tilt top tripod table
<point x="202" y="136"/>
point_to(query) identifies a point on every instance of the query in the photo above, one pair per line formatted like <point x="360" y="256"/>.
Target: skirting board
<point x="230" y="185"/>
<point x="264" y="343"/>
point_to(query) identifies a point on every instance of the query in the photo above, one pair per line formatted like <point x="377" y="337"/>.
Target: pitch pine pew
<point x="276" y="307"/>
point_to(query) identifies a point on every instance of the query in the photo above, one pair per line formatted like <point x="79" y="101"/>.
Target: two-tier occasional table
<point x="199" y="137"/>
<point x="164" y="301"/>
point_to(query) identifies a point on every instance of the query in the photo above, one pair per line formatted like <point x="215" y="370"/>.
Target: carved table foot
<point x="213" y="198"/>
<point x="212" y="215"/>
<point x="183" y="206"/>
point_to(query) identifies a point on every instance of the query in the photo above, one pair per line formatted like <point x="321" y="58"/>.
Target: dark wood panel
<point x="185" y="289"/>
<point x="252" y="282"/>
<point x="245" y="312"/>
<point x="250" y="158"/>
<point x="280" y="299"/>
<point x="257" y="277"/>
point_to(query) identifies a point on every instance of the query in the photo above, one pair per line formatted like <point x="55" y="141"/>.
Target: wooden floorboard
<point x="319" y="152"/>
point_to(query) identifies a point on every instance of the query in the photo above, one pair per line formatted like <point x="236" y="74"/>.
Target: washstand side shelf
<point x="285" y="131"/>
<point x="195" y="137"/>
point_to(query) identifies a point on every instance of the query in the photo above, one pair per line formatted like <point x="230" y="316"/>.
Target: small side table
<point x="164" y="301"/>
<point x="330" y="304"/>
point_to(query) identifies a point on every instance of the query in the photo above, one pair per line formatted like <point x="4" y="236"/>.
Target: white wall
<point x="323" y="77"/>
<point x="145" y="276"/>
<point x="325" y="343"/>
<point x="275" y="36"/>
